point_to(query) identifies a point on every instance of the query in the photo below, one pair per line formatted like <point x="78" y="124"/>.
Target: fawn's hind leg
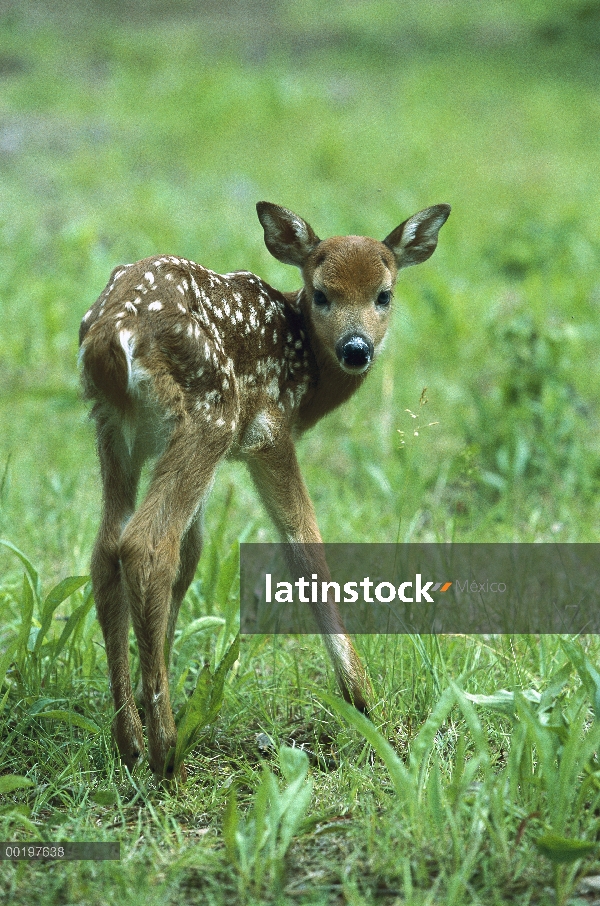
<point x="120" y="476"/>
<point x="189" y="555"/>
<point x="159" y="549"/>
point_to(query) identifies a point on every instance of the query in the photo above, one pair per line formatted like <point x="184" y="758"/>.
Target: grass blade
<point x="31" y="570"/>
<point x="398" y="773"/>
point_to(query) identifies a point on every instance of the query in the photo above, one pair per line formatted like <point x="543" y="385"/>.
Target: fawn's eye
<point x="320" y="299"/>
<point x="384" y="297"/>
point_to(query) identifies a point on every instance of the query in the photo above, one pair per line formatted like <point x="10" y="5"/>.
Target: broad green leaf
<point x="576" y="752"/>
<point x="204" y="704"/>
<point x="62" y="591"/>
<point x="10" y="782"/>
<point x="78" y="615"/>
<point x="423" y="743"/>
<point x="288" y="794"/>
<point x="211" y="559"/>
<point x="228" y="602"/>
<point x="293" y="816"/>
<point x="556" y="684"/>
<point x="56" y="597"/>
<point x="27" y="611"/>
<point x="104" y="797"/>
<point x="18" y="813"/>
<point x="31" y="571"/>
<point x="7" y="658"/>
<point x="42" y="703"/>
<point x="194" y="715"/>
<point x="231" y="822"/>
<point x="293" y="763"/>
<point x="472" y="720"/>
<point x="503" y="700"/>
<point x="434" y="795"/>
<point x="229" y="659"/>
<point x="202" y="624"/>
<point x="543" y="739"/>
<point x="587" y="672"/>
<point x="228" y="571"/>
<point x="72" y="718"/>
<point x="563" y="849"/>
<point x="398" y="773"/>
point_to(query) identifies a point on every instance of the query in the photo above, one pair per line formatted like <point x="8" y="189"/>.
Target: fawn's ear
<point x="289" y="238"/>
<point x="415" y="239"/>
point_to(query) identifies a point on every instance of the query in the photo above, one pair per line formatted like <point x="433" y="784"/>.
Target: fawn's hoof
<point x="166" y="774"/>
<point x="132" y="758"/>
<point x="130" y="746"/>
<point x="357" y="698"/>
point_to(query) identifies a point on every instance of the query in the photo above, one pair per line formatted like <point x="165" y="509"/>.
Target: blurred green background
<point x="134" y="128"/>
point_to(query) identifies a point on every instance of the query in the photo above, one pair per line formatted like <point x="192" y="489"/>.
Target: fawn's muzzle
<point x="355" y="353"/>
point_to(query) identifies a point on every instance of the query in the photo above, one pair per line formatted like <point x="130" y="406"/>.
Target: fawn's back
<point x="202" y="345"/>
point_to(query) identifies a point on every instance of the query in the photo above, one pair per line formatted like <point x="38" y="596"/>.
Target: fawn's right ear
<point x="289" y="238"/>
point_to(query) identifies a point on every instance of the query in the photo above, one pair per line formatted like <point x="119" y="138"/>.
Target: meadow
<point x="131" y="129"/>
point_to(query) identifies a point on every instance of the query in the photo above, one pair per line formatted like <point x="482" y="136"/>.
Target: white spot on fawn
<point x="155" y="306"/>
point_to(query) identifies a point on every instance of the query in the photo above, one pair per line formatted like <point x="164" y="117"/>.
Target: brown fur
<point x="186" y="367"/>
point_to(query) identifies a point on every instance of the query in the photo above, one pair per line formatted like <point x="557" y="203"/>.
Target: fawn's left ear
<point x="289" y="238"/>
<point x="415" y="239"/>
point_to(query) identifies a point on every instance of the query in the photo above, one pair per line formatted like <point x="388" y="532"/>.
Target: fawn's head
<point x="349" y="280"/>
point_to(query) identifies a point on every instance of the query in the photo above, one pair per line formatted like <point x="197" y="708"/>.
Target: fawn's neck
<point x="331" y="385"/>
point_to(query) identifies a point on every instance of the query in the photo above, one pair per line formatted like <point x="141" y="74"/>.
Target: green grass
<point x="132" y="129"/>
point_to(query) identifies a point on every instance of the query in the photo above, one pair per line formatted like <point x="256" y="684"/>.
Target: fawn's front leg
<point x="276" y="474"/>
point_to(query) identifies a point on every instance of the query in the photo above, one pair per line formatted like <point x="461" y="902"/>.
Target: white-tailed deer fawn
<point x="187" y="366"/>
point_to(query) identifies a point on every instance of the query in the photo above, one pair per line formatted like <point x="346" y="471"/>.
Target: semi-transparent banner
<point x="425" y="588"/>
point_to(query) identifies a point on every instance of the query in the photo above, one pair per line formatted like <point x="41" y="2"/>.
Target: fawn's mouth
<point x="355" y="353"/>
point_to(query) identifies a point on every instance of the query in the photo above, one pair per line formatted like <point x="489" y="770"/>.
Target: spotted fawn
<point x="187" y="367"/>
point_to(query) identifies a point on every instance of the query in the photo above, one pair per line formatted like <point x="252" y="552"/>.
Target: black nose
<point x="354" y="352"/>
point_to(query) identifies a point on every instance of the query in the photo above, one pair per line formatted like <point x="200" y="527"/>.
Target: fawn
<point x="187" y="366"/>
